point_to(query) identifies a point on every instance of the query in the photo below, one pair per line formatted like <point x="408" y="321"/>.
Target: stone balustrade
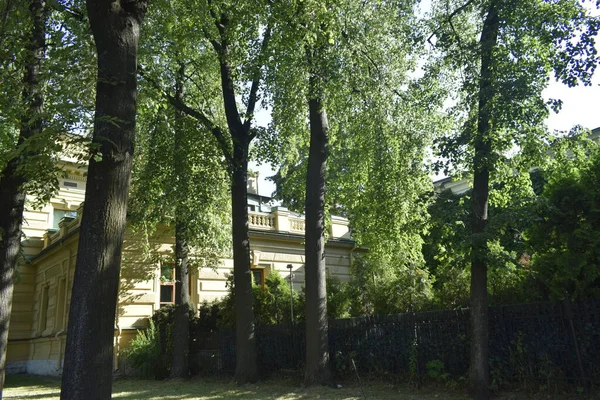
<point x="278" y="220"/>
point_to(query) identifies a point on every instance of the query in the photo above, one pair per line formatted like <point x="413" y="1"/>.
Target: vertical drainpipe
<point x="65" y="313"/>
<point x="117" y="340"/>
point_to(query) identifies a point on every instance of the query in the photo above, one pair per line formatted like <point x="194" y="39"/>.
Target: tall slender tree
<point x="351" y="57"/>
<point x="506" y="60"/>
<point x="317" y="326"/>
<point x="181" y="329"/>
<point x="179" y="182"/>
<point x="89" y="350"/>
<point x="229" y="39"/>
<point x="14" y="176"/>
<point x="479" y="366"/>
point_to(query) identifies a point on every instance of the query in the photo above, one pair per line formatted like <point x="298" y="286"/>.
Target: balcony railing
<point x="278" y="220"/>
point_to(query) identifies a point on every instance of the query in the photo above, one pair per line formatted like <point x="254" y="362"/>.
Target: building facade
<point x="41" y="300"/>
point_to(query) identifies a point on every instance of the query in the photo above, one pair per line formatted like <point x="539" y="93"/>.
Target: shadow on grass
<point x="28" y="387"/>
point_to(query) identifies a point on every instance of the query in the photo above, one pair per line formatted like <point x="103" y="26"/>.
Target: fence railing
<point x="540" y="341"/>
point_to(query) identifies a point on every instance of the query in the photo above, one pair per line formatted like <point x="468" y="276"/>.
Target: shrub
<point x="145" y="355"/>
<point x="272" y="303"/>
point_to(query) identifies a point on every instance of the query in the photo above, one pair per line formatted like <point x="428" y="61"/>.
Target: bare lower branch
<point x="253" y="97"/>
<point x="196" y="114"/>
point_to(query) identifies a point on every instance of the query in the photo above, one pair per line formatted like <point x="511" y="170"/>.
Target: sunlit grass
<point x="35" y="387"/>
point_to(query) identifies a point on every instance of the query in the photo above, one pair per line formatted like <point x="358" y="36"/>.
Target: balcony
<point x="279" y="220"/>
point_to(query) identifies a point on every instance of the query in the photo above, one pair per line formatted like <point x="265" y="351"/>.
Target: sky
<point x="580" y="107"/>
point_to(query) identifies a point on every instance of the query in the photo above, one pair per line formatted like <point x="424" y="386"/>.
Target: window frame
<point x="170" y="283"/>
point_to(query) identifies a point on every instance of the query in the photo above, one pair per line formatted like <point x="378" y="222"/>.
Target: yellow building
<point x="42" y="291"/>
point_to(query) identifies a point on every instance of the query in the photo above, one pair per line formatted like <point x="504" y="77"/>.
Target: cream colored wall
<point x="274" y="252"/>
<point x="140" y="277"/>
<point x="37" y="330"/>
<point x="36" y="220"/>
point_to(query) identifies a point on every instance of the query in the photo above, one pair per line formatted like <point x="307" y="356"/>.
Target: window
<point x="60" y="305"/>
<point x="43" y="310"/>
<point x="70" y="184"/>
<point x="58" y="215"/>
<point x="167" y="284"/>
<point x="259" y="274"/>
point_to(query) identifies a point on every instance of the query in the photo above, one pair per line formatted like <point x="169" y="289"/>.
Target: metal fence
<point x="545" y="342"/>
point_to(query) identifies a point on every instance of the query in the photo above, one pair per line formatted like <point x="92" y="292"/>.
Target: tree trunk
<point x="89" y="350"/>
<point x="181" y="328"/>
<point x="317" y="342"/>
<point x="12" y="183"/>
<point x="245" y="342"/>
<point x="479" y="368"/>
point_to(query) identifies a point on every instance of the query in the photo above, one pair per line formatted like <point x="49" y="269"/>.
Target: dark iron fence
<point x="545" y="342"/>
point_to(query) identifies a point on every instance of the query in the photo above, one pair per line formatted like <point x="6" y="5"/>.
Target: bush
<point x="145" y="354"/>
<point x="272" y="303"/>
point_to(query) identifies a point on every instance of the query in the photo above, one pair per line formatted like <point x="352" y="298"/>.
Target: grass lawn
<point x="36" y="387"/>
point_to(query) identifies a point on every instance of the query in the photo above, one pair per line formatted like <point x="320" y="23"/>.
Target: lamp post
<point x="290" y="267"/>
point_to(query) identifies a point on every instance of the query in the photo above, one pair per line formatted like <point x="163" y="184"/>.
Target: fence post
<point x="569" y="315"/>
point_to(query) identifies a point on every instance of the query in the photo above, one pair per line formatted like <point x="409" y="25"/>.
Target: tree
<point x="354" y="66"/>
<point x="39" y="43"/>
<point x="317" y="337"/>
<point x="89" y="355"/>
<point x="179" y="182"/>
<point x="232" y="40"/>
<point x="505" y="71"/>
<point x="181" y="328"/>
<point x="14" y="176"/>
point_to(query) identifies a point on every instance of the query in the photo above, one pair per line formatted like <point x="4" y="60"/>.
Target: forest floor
<point x="37" y="387"/>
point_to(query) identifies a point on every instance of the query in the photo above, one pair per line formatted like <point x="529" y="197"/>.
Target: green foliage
<point x="387" y="287"/>
<point x="381" y="119"/>
<point x="184" y="181"/>
<point x="272" y="303"/>
<point x="564" y="238"/>
<point x="559" y="39"/>
<point x="151" y="351"/>
<point x="145" y="353"/>
<point x="338" y="298"/>
<point x="448" y="242"/>
<point x="67" y="76"/>
<point x="542" y="233"/>
<point x="435" y="370"/>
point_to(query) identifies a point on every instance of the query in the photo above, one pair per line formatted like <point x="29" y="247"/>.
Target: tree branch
<point x="366" y="54"/>
<point x="196" y="114"/>
<point x="449" y="21"/>
<point x="59" y="6"/>
<point x="253" y="97"/>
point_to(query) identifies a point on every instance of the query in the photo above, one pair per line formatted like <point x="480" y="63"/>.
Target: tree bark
<point x="479" y="369"/>
<point x="317" y="342"/>
<point x="245" y="343"/>
<point x="245" y="346"/>
<point x="13" y="179"/>
<point x="89" y="350"/>
<point x="181" y="328"/>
